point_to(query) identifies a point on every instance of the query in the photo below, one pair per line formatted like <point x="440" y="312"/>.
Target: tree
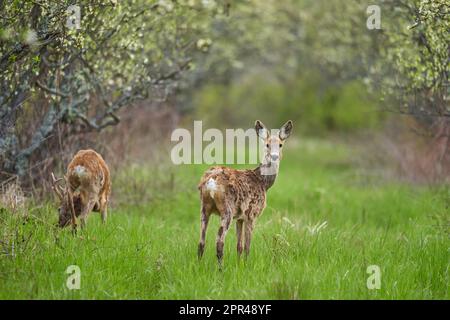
<point x="414" y="72"/>
<point x="123" y="51"/>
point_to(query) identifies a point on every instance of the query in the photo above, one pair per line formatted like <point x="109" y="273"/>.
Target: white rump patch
<point x="80" y="171"/>
<point x="211" y="186"/>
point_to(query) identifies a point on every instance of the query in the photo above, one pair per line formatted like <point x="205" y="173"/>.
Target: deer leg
<point x="104" y="213"/>
<point x="240" y="236"/>
<point x="73" y="218"/>
<point x="104" y="209"/>
<point x="248" y="236"/>
<point x="82" y="221"/>
<point x="225" y="221"/>
<point x="204" y="216"/>
<point x="84" y="213"/>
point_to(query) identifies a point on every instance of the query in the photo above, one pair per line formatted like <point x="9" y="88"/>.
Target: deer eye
<point x="281" y="145"/>
<point x="267" y="145"/>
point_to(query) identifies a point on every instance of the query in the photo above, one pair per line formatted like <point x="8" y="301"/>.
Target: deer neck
<point x="267" y="172"/>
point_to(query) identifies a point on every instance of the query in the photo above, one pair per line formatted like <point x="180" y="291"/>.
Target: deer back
<point x="89" y="174"/>
<point x="243" y="190"/>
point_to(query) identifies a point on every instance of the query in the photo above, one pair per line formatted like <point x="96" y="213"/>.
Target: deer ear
<point x="261" y="130"/>
<point x="286" y="130"/>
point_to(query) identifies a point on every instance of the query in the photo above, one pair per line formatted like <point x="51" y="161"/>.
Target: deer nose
<point x="274" y="156"/>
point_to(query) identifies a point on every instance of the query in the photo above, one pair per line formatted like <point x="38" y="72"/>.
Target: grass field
<point x="325" y="223"/>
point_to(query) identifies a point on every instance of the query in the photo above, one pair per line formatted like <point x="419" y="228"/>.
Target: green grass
<point x="148" y="249"/>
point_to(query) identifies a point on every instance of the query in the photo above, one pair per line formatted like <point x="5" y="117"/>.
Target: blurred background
<point x="364" y="179"/>
<point x="134" y="70"/>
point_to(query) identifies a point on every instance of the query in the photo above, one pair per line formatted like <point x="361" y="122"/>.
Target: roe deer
<point x="87" y="188"/>
<point x="240" y="194"/>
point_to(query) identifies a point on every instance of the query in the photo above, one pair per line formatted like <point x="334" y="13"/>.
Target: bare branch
<point x="50" y="90"/>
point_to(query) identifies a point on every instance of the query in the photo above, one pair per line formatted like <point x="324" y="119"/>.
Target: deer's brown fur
<point x="88" y="186"/>
<point x="240" y="194"/>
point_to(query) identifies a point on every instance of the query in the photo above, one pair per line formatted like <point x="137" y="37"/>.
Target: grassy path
<point x="324" y="225"/>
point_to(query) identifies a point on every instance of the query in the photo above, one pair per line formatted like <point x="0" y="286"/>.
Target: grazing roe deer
<point x="240" y="194"/>
<point x="88" y="185"/>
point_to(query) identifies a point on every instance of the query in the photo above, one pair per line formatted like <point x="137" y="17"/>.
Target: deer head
<point x="66" y="211"/>
<point x="273" y="143"/>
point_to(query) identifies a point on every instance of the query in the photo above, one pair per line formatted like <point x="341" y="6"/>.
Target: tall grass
<point x="325" y="223"/>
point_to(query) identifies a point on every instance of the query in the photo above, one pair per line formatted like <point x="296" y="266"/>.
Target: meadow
<point x="325" y="223"/>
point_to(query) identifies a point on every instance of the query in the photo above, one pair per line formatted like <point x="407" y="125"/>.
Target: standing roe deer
<point x="240" y="194"/>
<point x="87" y="188"/>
